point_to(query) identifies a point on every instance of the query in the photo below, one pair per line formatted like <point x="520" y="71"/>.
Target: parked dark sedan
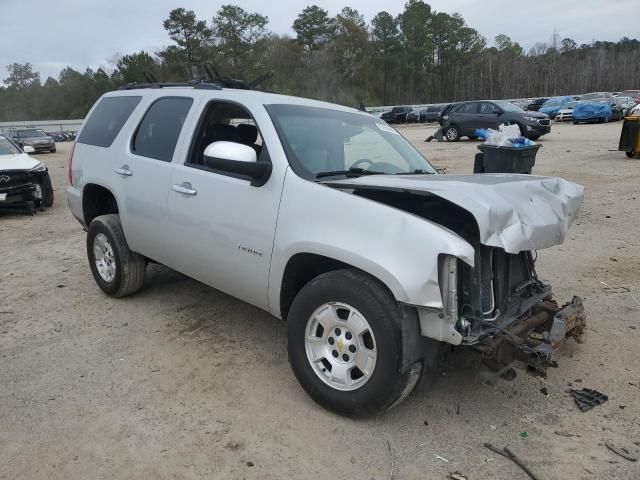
<point x="462" y="119"/>
<point x="396" y="115"/>
<point x="33" y="137"/>
<point x="535" y="105"/>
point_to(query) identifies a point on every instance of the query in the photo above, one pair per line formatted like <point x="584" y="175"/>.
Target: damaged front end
<point x="508" y="314"/>
<point x="498" y="306"/>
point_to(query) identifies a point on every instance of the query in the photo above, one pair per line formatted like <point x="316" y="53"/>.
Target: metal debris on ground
<point x="587" y="398"/>
<point x="566" y="434"/>
<point x="458" y="476"/>
<point x="623" y="452"/>
<point x="511" y="456"/>
<point x="441" y="458"/>
<point x="393" y="460"/>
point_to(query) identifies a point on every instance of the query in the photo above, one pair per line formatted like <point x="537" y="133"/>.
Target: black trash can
<point x="494" y="159"/>
<point x="630" y="137"/>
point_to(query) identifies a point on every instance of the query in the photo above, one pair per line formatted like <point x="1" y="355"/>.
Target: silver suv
<point x="328" y="218"/>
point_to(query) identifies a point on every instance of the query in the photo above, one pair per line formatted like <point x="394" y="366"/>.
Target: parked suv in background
<point x="463" y="119"/>
<point x="33" y="137"/>
<point x="396" y="115"/>
<point x="328" y="218"/>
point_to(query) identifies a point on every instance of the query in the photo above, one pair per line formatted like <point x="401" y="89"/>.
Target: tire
<point x="47" y="190"/>
<point x="472" y="137"/>
<point x="452" y="133"/>
<point x="630" y="154"/>
<point x="574" y="122"/>
<point x="330" y="298"/>
<point x="53" y="150"/>
<point x="122" y="270"/>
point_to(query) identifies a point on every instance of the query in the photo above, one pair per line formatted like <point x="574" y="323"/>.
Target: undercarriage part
<point x="586" y="398"/>
<point x="535" y="339"/>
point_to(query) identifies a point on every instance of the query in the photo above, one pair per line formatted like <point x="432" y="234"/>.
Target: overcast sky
<point x="80" y="33"/>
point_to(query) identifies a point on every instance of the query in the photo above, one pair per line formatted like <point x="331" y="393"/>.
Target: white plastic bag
<point x="502" y="137"/>
<point x="512" y="131"/>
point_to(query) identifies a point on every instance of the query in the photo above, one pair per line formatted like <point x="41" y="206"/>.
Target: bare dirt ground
<point x="182" y="381"/>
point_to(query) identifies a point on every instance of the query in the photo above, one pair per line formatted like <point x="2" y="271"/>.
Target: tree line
<point x="418" y="56"/>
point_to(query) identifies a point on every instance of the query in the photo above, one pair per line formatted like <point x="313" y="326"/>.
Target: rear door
<point x="145" y="173"/>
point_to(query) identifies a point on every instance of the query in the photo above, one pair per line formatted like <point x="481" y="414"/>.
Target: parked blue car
<point x="589" y="112"/>
<point x="552" y="106"/>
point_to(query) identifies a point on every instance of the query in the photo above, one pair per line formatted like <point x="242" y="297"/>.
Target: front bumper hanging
<point x="536" y="339"/>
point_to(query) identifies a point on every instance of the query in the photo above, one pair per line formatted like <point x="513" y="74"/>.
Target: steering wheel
<point x="362" y="160"/>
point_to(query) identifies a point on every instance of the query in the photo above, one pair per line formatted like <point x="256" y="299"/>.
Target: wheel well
<point x="302" y="268"/>
<point x="96" y="201"/>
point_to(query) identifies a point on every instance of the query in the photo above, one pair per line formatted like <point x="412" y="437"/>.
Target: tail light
<point x="73" y="147"/>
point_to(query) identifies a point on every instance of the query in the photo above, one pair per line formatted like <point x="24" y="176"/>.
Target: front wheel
<point x="116" y="269"/>
<point x="452" y="133"/>
<point x="344" y="332"/>
<point x="46" y="190"/>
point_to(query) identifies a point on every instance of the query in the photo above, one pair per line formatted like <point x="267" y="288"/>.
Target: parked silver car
<point x="328" y="218"/>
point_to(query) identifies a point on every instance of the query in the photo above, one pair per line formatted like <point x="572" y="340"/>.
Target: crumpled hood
<point x="513" y="212"/>
<point x="18" y="161"/>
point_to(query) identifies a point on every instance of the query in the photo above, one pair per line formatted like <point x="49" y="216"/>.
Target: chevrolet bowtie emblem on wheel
<point x="4" y="179"/>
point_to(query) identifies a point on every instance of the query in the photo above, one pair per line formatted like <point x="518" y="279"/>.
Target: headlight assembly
<point x="41" y="167"/>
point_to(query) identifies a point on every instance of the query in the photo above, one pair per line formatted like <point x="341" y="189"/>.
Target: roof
<point x="237" y="94"/>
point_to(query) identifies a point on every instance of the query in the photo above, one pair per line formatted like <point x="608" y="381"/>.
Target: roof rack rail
<point x="194" y="84"/>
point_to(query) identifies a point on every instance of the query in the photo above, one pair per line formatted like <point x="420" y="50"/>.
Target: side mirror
<point x="238" y="160"/>
<point x="28" y="149"/>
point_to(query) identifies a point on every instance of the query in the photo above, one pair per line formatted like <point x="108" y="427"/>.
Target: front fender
<point x="398" y="248"/>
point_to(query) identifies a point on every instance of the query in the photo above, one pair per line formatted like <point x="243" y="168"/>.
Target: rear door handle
<point x="123" y="170"/>
<point x="184" y="188"/>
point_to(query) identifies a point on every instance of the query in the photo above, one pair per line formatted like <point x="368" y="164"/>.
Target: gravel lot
<point x="182" y="381"/>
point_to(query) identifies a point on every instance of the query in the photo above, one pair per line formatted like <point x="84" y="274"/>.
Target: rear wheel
<point x="116" y="269"/>
<point x="344" y="336"/>
<point x="452" y="133"/>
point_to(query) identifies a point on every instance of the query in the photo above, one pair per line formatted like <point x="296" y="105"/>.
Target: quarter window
<point x="157" y="134"/>
<point x="106" y="120"/>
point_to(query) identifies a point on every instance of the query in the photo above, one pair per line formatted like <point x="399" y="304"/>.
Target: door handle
<point x="123" y="170"/>
<point x="185" y="189"/>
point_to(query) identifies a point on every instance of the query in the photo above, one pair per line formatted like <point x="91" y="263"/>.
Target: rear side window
<point x="158" y="133"/>
<point x="106" y="120"/>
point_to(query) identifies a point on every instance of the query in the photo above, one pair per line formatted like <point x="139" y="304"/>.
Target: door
<point x="466" y="117"/>
<point x="488" y="115"/>
<point x="222" y="226"/>
<point x="146" y="172"/>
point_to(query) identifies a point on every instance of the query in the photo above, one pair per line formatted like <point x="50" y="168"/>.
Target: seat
<point x="248" y="135"/>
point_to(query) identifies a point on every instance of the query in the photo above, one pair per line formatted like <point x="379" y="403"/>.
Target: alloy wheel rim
<point x="103" y="257"/>
<point x="452" y="134"/>
<point x="340" y="346"/>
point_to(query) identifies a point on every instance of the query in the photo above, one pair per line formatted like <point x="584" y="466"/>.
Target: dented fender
<point x="398" y="248"/>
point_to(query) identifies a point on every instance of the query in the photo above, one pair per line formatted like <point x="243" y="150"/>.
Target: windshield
<point x="31" y="132"/>
<point x="320" y="140"/>
<point x="572" y="104"/>
<point x="7" y="147"/>
<point x="508" y="106"/>
<point x="555" y="102"/>
<point x="592" y="96"/>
